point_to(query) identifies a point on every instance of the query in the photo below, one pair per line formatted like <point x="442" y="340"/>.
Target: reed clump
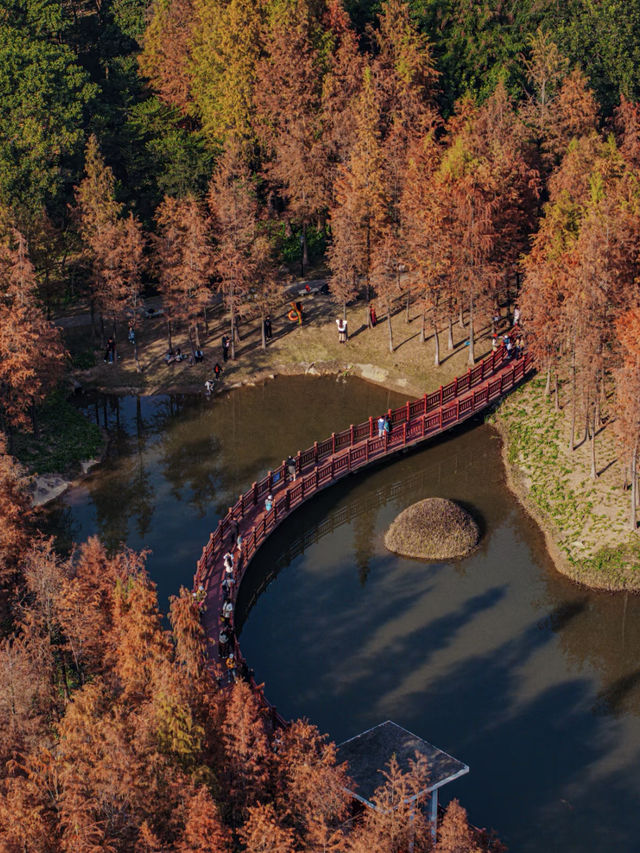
<point x="433" y="529"/>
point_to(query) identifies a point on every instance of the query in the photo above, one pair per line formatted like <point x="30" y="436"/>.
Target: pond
<point x="496" y="658"/>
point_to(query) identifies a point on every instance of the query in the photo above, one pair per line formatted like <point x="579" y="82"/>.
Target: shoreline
<point x="380" y="376"/>
<point x="371" y="373"/>
<point x="515" y="484"/>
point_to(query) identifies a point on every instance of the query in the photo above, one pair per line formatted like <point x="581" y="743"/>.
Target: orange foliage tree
<point x="31" y="350"/>
<point x="183" y="261"/>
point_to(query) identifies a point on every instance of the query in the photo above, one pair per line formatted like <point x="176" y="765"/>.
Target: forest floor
<point x="586" y="521"/>
<point x="310" y="348"/>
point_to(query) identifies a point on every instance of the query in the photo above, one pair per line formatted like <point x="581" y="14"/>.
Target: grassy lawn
<point x="587" y="518"/>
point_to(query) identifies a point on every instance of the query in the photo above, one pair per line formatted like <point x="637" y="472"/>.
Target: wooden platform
<point x="369" y="753"/>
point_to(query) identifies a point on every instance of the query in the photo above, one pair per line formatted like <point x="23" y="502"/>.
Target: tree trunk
<point x="450" y="337"/>
<point x="634" y="487"/>
<point x="423" y="333"/>
<point x="263" y="337"/>
<point x="547" y="387"/>
<point x="305" y="249"/>
<point x="461" y="316"/>
<point x="471" y="341"/>
<point x="92" y="309"/>
<point x="573" y="403"/>
<point x="594" y="471"/>
<point x="556" y="391"/>
<point x="115" y="348"/>
<point x="196" y="329"/>
<point x="233" y="334"/>
<point x="436" y="358"/>
<point x="389" y="326"/>
<point x="206" y="321"/>
<point x="406" y="319"/>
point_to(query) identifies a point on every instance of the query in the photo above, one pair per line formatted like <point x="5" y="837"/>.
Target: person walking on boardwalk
<point x="223" y="643"/>
<point x="291" y="468"/>
<point x="380" y="426"/>
<point x="387" y="426"/>
<point x="228" y="561"/>
<point x="231" y="666"/>
<point x="227" y="587"/>
<point x="268" y="504"/>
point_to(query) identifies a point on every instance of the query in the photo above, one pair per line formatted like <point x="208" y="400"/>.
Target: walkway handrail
<point x="329" y="461"/>
<point x="434" y="402"/>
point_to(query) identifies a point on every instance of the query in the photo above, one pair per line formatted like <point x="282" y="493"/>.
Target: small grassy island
<point x="433" y="529"/>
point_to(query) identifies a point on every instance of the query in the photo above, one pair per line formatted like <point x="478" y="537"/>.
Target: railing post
<point x="408" y="410"/>
<point x="440" y="418"/>
<point x="349" y="459"/>
<point x="332" y="472"/>
<point x="351" y="435"/>
<point x="404" y="433"/>
<point x="315" y="452"/>
<point x="455" y="387"/>
<point x="254" y="486"/>
<point x="441" y="400"/>
<point x="366" y="450"/>
<point x="317" y="477"/>
<point x="298" y="465"/>
<point x="424" y="402"/>
<point x="424" y="425"/>
<point x="333" y="445"/>
<point x="469" y="378"/>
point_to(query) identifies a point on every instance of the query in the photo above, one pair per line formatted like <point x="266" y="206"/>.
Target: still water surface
<point x="496" y="658"/>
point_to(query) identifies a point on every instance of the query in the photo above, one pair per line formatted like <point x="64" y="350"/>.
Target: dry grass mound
<point x="433" y="529"/>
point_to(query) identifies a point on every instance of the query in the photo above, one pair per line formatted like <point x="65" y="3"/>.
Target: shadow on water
<point x="495" y="657"/>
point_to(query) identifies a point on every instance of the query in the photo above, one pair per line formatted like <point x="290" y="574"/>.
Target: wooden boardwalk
<point x="323" y="465"/>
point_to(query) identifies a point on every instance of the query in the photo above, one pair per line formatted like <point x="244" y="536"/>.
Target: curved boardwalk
<point x="324" y="464"/>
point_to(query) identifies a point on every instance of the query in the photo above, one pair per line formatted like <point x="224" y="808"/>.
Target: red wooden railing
<point x="335" y="457"/>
